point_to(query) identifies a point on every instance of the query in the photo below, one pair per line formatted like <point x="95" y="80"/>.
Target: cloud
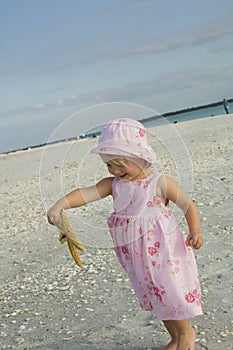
<point x="39" y="105"/>
<point x="210" y="32"/>
<point x="174" y="82"/>
<point x="166" y="83"/>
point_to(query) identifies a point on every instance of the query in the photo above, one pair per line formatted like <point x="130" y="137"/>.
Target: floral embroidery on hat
<point x="142" y="132"/>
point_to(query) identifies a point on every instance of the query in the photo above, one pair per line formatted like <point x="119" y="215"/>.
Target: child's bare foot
<point x="186" y="341"/>
<point x="171" y="346"/>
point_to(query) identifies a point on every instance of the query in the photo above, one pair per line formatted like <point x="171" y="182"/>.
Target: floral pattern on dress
<point x="187" y="244"/>
<point x="155" y="249"/>
<point x="154" y="290"/>
<point x="174" y="263"/>
<point x="194" y="296"/>
<point x="142" y="183"/>
<point x="146" y="304"/>
<point x="154" y="253"/>
<point x="154" y="203"/>
<point x="167" y="213"/>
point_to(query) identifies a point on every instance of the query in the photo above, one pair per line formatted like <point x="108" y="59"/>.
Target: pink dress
<point x="153" y="251"/>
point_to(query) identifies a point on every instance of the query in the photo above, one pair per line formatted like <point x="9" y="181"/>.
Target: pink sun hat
<point x="127" y="138"/>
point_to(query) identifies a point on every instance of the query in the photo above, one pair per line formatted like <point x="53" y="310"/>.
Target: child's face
<point x="124" y="168"/>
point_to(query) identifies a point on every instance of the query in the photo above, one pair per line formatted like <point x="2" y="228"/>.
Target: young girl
<point x="148" y="242"/>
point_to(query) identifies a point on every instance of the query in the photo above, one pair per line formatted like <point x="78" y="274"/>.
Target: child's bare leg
<point x="186" y="335"/>
<point x="171" y="328"/>
<point x="182" y="334"/>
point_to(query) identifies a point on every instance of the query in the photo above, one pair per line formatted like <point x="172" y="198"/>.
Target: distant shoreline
<point x="185" y="110"/>
<point x="156" y="117"/>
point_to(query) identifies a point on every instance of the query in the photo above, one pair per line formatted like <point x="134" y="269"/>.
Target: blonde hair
<point x="122" y="161"/>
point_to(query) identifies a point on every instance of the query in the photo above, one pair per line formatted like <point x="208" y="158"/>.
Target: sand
<point x="47" y="302"/>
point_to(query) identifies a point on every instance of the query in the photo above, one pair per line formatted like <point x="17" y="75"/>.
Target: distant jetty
<point x="186" y="110"/>
<point x="96" y="133"/>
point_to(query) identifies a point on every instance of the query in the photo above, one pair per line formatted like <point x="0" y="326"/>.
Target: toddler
<point x="147" y="240"/>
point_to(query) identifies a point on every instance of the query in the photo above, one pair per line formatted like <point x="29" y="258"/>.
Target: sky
<point x="61" y="57"/>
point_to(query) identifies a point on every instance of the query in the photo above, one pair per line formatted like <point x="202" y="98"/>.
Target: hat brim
<point x="133" y="151"/>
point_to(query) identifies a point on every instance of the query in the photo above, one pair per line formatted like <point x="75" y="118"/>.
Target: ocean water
<point x="175" y="118"/>
<point x="191" y="115"/>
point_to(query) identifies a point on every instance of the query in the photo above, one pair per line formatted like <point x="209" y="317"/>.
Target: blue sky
<point x="58" y="57"/>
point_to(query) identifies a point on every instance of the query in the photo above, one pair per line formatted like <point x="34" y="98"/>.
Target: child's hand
<point x="195" y="240"/>
<point x="53" y="215"/>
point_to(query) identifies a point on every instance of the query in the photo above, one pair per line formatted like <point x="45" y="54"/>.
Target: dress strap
<point x="156" y="179"/>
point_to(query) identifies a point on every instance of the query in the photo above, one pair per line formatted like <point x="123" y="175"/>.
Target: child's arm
<point x="170" y="190"/>
<point x="80" y="197"/>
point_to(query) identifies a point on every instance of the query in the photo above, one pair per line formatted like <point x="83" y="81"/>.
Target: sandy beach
<point x="48" y="303"/>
